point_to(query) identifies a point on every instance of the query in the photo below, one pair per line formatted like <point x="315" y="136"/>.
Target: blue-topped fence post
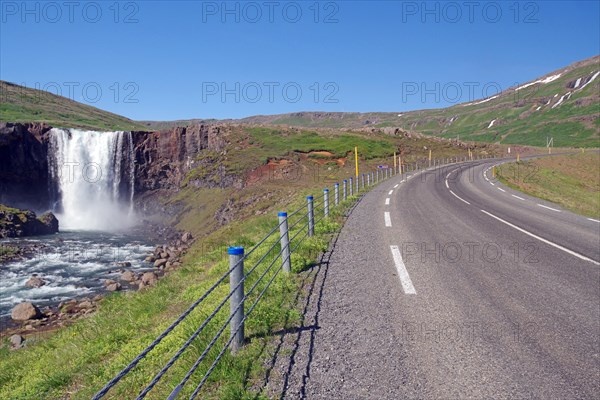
<point x="236" y="302"/>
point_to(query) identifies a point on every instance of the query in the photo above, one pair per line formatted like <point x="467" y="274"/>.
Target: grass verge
<point x="573" y="181"/>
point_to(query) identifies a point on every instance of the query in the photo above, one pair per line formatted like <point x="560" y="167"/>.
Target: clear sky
<point x="159" y="60"/>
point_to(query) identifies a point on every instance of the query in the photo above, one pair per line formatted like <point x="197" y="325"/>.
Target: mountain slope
<point x="22" y="104"/>
<point x="564" y="104"/>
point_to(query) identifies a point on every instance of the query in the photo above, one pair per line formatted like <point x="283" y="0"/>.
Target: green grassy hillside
<point x="21" y="104"/>
<point x="573" y="181"/>
<point x="524" y="116"/>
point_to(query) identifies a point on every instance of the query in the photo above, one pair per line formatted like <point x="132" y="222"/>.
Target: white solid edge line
<point x="407" y="285"/>
<point x="592" y="219"/>
<point x="517" y="197"/>
<point x="501" y="189"/>
<point x="492" y="184"/>
<point x="387" y="201"/>
<point x="395" y="186"/>
<point x="461" y="199"/>
<point x="447" y="184"/>
<point x="549" y="208"/>
<point x="388" y="220"/>
<point x="391" y="191"/>
<point x="542" y="239"/>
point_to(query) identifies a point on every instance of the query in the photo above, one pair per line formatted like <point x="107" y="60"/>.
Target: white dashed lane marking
<point x="388" y="220"/>
<point x="387" y="201"/>
<point x="461" y="199"/>
<point x="405" y="281"/>
<point x="549" y="208"/>
<point x="542" y="239"/>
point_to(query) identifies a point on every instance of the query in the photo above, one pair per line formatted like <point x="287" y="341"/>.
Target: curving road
<point x="446" y="284"/>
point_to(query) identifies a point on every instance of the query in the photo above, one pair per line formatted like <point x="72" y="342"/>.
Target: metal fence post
<point x="236" y="302"/>
<point x="357" y="185"/>
<point x="369" y="179"/>
<point x="377" y="176"/>
<point x="311" y="216"/>
<point x="386" y="173"/>
<point x="363" y="181"/>
<point x="344" y="191"/>
<point x="285" y="241"/>
<point x="326" y="202"/>
<point x="337" y="193"/>
<point x="351" y="187"/>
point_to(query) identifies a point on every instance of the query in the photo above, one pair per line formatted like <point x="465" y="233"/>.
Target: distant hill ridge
<point x="563" y="104"/>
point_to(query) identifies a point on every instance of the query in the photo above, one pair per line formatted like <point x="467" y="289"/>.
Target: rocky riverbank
<point x="28" y="319"/>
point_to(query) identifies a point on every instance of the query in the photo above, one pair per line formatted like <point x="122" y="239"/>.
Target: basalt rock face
<point x="164" y="158"/>
<point x="17" y="223"/>
<point x="24" y="165"/>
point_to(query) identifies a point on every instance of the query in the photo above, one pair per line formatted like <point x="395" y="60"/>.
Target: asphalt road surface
<point x="448" y="285"/>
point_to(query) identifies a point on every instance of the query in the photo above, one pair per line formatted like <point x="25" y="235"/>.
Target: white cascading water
<point x="88" y="168"/>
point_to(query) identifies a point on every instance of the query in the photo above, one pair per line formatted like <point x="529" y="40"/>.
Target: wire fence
<point x="273" y="253"/>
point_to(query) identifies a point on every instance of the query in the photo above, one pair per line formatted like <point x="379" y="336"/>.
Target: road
<point x="448" y="285"/>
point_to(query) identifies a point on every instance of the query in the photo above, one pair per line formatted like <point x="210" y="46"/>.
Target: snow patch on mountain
<point x="563" y="97"/>
<point x="590" y="81"/>
<point x="545" y="80"/>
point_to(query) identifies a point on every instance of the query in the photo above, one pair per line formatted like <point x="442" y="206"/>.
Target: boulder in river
<point x="159" y="263"/>
<point x="24" y="312"/>
<point x="124" y="264"/>
<point x="128" y="276"/>
<point x="35" y="282"/>
<point x="112" y="286"/>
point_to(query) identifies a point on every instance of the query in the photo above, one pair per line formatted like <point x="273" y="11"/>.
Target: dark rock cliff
<point x="24" y="165"/>
<point x="15" y="223"/>
<point x="163" y="158"/>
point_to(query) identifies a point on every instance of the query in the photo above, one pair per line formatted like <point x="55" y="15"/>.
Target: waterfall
<point x="92" y="178"/>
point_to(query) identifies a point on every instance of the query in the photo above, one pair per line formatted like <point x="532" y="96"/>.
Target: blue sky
<point x="155" y="60"/>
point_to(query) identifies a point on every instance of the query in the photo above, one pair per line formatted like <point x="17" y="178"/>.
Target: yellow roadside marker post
<point x="395" y="164"/>
<point x="494" y="171"/>
<point x="356" y="165"/>
<point x="430" y="157"/>
<point x="518" y="157"/>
